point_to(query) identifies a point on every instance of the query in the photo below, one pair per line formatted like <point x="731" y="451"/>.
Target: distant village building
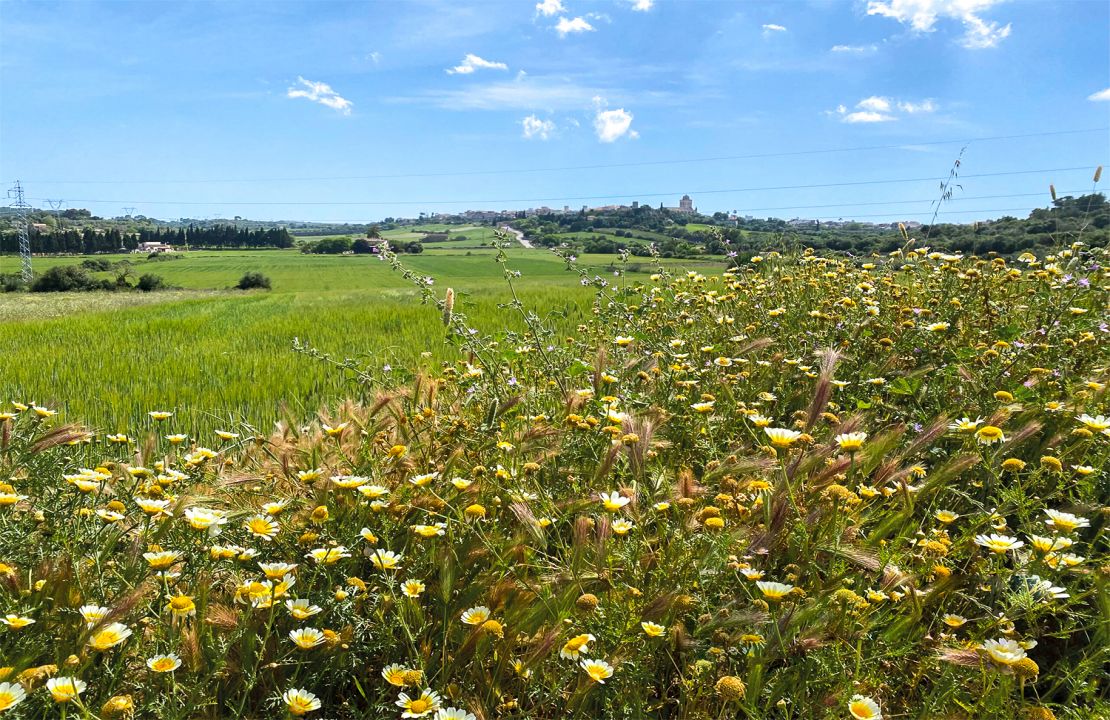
<point x="154" y="247"/>
<point x="685" y="205"/>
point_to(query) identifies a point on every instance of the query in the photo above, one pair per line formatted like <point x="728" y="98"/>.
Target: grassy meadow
<point x="219" y="357"/>
<point x="806" y="488"/>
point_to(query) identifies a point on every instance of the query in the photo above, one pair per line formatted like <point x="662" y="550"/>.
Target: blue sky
<point x="358" y="111"/>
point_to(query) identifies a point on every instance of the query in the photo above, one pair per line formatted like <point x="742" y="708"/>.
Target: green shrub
<point x="150" y="281"/>
<point x="68" y="279"/>
<point x="252" y="280"/>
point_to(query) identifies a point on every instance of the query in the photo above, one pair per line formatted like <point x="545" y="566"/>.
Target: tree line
<point x="358" y="246"/>
<point x="1068" y="219"/>
<point x="90" y="241"/>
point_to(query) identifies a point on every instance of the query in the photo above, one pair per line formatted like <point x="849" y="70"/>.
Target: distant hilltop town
<point x="685" y="207"/>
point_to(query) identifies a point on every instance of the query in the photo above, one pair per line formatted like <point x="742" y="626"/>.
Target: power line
<point x="946" y="212"/>
<point x="642" y="163"/>
<point x="906" y="202"/>
<point x="633" y="196"/>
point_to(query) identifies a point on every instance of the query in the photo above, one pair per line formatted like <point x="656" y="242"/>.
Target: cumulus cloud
<point x="925" y="106"/>
<point x="612" y="125"/>
<point x="922" y="16"/>
<point x="1100" y="96"/>
<point x="533" y="127"/>
<point x="642" y="5"/>
<point x="875" y="103"/>
<point x="547" y="8"/>
<point x="577" y="25"/>
<point x="772" y="27"/>
<point x="472" y="62"/>
<point x="877" y="109"/>
<point x="981" y="34"/>
<point x="321" y="93"/>
<point x="854" y="49"/>
<point x="866" y="117"/>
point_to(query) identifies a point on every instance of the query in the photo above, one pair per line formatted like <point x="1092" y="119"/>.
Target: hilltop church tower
<point x="686" y="204"/>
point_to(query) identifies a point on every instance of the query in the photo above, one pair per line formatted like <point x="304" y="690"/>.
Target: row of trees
<point x="358" y="246"/>
<point x="90" y="240"/>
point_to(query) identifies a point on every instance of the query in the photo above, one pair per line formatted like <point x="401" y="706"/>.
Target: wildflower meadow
<point x="802" y="487"/>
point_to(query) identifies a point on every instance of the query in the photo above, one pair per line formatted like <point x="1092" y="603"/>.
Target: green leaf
<point x="905" y="386"/>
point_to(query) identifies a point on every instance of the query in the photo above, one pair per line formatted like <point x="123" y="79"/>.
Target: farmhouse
<point x="154" y="247"/>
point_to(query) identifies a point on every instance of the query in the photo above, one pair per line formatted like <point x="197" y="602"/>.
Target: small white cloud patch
<point x="533" y="127"/>
<point x="321" y="93"/>
<point x="1100" y="96"/>
<point x="472" y="62"/>
<point x="877" y="109"/>
<point x="925" y="106"/>
<point x="611" y="125"/>
<point x="578" y="25"/>
<point x="642" y="5"/>
<point x="875" y="103"/>
<point x="548" y="8"/>
<point x="772" y="27"/>
<point x="864" y="116"/>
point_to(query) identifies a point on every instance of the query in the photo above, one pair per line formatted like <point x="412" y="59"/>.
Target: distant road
<point x="519" y="236"/>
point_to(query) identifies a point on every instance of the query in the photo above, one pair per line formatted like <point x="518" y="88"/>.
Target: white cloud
<point x="472" y="62"/>
<point x="866" y="117"/>
<point x="577" y="25"/>
<point x="922" y="16"/>
<point x="771" y="27"/>
<point x="642" y="5"/>
<point x="925" y="106"/>
<point x="876" y="109"/>
<point x="611" y="125"/>
<point x="875" y="103"/>
<point x="982" y="34"/>
<point x="547" y="8"/>
<point x="535" y="128"/>
<point x="375" y="57"/>
<point x="854" y="49"/>
<point x="1100" y="96"/>
<point x="322" y="93"/>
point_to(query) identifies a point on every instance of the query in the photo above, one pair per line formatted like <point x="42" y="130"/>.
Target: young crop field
<point x="806" y="487"/>
<point x="208" y="346"/>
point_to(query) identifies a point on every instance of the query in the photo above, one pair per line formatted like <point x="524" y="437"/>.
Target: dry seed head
<point x="730" y="688"/>
<point x="1027" y="668"/>
<point x="448" y="305"/>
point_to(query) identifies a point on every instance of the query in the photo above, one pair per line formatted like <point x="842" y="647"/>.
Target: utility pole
<point x="128" y="211"/>
<point x="21" y="209"/>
